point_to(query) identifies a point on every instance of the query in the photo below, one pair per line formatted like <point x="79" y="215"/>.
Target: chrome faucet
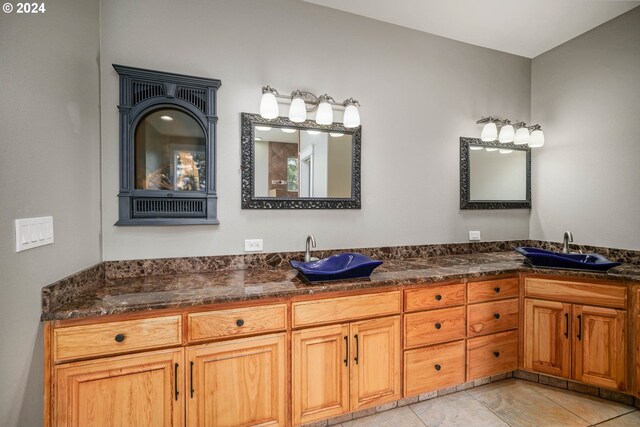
<point x="307" y="255"/>
<point x="568" y="238"/>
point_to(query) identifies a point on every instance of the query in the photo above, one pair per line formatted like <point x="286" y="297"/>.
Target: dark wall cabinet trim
<point x="142" y="92"/>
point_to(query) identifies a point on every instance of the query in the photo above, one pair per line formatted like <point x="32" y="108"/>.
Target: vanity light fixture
<point x="505" y="151"/>
<point x="313" y="132"/>
<point x="521" y="136"/>
<point x="303" y="102"/>
<point x="336" y="134"/>
<point x="263" y="128"/>
<point x="490" y="149"/>
<point x="475" y="147"/>
<point x="288" y="130"/>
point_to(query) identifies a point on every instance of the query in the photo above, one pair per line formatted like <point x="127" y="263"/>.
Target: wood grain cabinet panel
<point x="237" y="383"/>
<point x="599" y="346"/>
<point x="491" y="290"/>
<point x="434" y="326"/>
<point x="434" y="296"/>
<point x="101" y="339"/>
<point x="236" y="322"/>
<point x="433" y="368"/>
<point x="547" y="344"/>
<point x="341" y="309"/>
<point x="576" y="292"/>
<point x="124" y="391"/>
<point x="491" y="317"/>
<point x="376" y="356"/>
<point x="492" y="354"/>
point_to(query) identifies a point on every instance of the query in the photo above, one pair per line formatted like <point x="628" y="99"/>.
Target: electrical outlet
<point x="33" y="232"/>
<point x="474" y="235"/>
<point x="252" y="245"/>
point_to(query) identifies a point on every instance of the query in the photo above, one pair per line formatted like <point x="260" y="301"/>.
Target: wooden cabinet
<point x="547" y="344"/>
<point x="580" y="342"/>
<point x="344" y="367"/>
<point x="145" y="389"/>
<point x="237" y="383"/>
<point x="434" y="367"/>
<point x="491" y="317"/>
<point x="492" y="354"/>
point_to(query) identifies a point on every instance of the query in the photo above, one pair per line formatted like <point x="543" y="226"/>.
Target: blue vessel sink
<point x="342" y="266"/>
<point x="549" y="259"/>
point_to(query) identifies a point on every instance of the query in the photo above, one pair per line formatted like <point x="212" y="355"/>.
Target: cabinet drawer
<point x="101" y="339"/>
<point x="236" y="322"/>
<point x="435" y="326"/>
<point x="434" y="296"/>
<point x="490" y="317"/>
<point x="334" y="310"/>
<point x="433" y="368"/>
<point x="577" y="292"/>
<point x="492" y="354"/>
<point x="492" y="290"/>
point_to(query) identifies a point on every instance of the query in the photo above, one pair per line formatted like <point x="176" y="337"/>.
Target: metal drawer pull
<point x="497" y="315"/>
<point x="357" y="348"/>
<point x="496" y="289"/>
<point x="239" y="322"/>
<point x="496" y="353"/>
<point x="438" y="297"/>
<point x="438" y="367"/>
<point x="191" y="379"/>
<point x="346" y="352"/>
<point x="438" y="325"/>
<point x="120" y="337"/>
<point x="175" y="380"/>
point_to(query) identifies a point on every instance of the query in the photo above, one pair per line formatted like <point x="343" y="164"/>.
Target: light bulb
<point x="505" y="151"/>
<point x="313" y="132"/>
<point x="324" y="116"/>
<point x="351" y="118"/>
<point x="263" y="128"/>
<point x="507" y="134"/>
<point x="297" y="110"/>
<point x="475" y="147"/>
<point x="537" y="139"/>
<point x="336" y="134"/>
<point x="491" y="149"/>
<point x="288" y="130"/>
<point x="269" y="106"/>
<point x="489" y="132"/>
<point x="522" y="136"/>
<point x="166" y="118"/>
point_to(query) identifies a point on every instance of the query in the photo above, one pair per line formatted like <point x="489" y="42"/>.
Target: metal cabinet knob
<point x="496" y="353"/>
<point x="496" y="315"/>
<point x="438" y="367"/>
<point x="438" y="297"/>
<point x="120" y="337"/>
<point x="239" y="322"/>
<point x="438" y="325"/>
<point x="496" y="289"/>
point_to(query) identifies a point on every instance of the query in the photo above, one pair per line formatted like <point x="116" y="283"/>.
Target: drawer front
<point x="435" y="326"/>
<point x="433" y="368"/>
<point x="101" y="339"/>
<point x="492" y="354"/>
<point x="491" y="290"/>
<point x="434" y="296"/>
<point x="236" y="322"/>
<point x="576" y="292"/>
<point x="490" y="317"/>
<point x="334" y="310"/>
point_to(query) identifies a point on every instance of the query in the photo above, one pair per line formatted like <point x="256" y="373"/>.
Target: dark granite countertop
<point x="130" y="294"/>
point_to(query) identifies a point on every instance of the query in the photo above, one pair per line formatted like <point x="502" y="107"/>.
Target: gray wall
<point x="49" y="165"/>
<point x="419" y="94"/>
<point x="586" y="94"/>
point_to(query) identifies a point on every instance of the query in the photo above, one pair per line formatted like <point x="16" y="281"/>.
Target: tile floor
<point x="506" y="403"/>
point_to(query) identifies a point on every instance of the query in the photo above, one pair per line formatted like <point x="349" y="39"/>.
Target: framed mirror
<point x="494" y="175"/>
<point x="287" y="165"/>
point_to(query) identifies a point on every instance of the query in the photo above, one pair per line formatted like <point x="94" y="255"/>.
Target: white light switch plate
<point x="253" y="245"/>
<point x="33" y="232"/>
<point x="474" y="235"/>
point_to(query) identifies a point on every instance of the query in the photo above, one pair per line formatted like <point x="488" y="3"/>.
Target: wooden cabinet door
<point x="547" y="344"/>
<point x="375" y="362"/>
<point x="237" y="383"/>
<point x="138" y="390"/>
<point x="320" y="373"/>
<point x="599" y="346"/>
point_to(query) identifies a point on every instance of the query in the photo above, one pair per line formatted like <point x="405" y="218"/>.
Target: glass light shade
<point x="475" y="147"/>
<point x="507" y="134"/>
<point x="537" y="139"/>
<point x="297" y="110"/>
<point x="351" y="118"/>
<point x="505" y="151"/>
<point x="313" y="132"/>
<point x="522" y="136"/>
<point x="336" y="134"/>
<point x="288" y="130"/>
<point x="491" y="149"/>
<point x="269" y="106"/>
<point x="489" y="132"/>
<point x="263" y="128"/>
<point x="324" y="116"/>
<point x="166" y="118"/>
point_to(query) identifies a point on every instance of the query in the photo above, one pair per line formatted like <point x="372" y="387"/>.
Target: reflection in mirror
<point x="170" y="152"/>
<point x="299" y="163"/>
<point x="494" y="175"/>
<point x="289" y="165"/>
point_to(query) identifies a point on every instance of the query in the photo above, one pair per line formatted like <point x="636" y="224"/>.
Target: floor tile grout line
<point x="617" y="416"/>
<point x="490" y="410"/>
<point x="414" y="412"/>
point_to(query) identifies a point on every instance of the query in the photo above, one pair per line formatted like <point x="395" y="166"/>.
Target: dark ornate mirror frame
<point x="141" y="93"/>
<point x="250" y="201"/>
<point x="465" y="177"/>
